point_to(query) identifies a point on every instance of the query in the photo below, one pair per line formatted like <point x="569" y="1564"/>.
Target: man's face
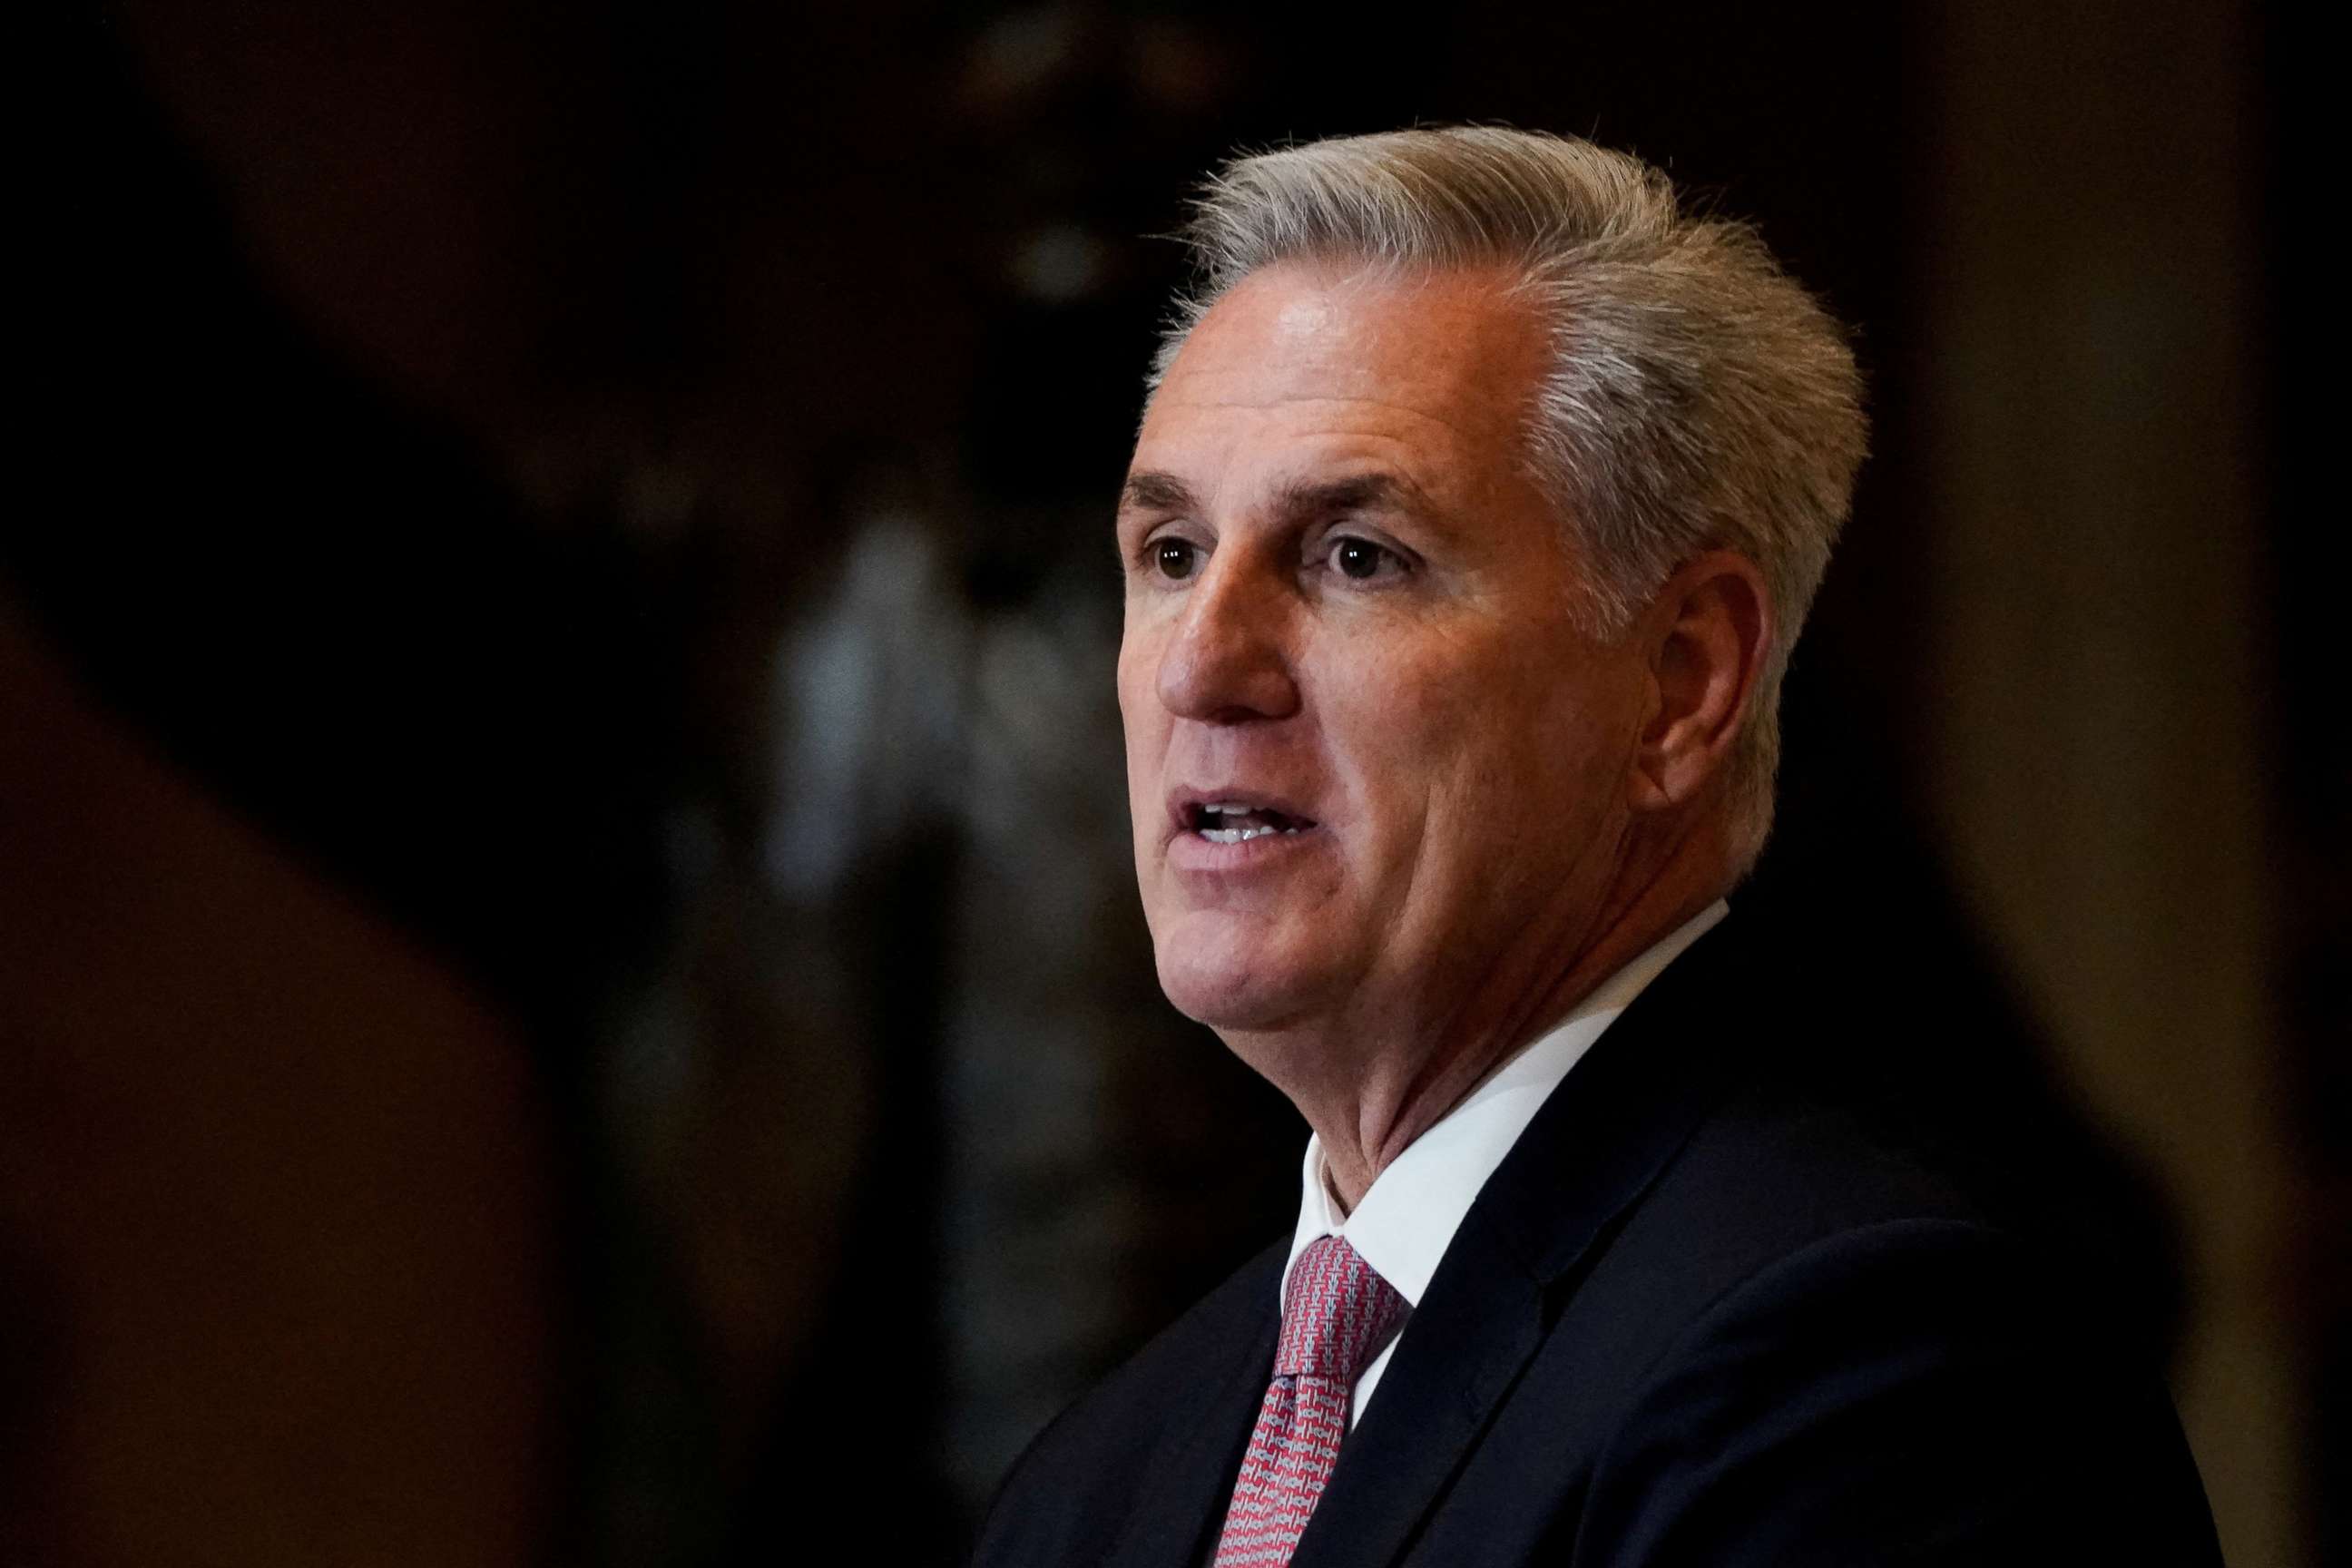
<point x="1348" y="619"/>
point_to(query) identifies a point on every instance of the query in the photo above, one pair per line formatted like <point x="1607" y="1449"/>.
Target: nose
<point x="1227" y="662"/>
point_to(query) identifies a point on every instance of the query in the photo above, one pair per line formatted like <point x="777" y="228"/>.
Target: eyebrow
<point x="1149" y="490"/>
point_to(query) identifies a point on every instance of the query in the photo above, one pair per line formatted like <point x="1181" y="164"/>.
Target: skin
<point x="1345" y="600"/>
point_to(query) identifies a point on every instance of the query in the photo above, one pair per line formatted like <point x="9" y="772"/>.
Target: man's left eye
<point x="1362" y="559"/>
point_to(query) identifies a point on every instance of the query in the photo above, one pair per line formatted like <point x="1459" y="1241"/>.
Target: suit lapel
<point x="1192" y="1481"/>
<point x="1587" y="1158"/>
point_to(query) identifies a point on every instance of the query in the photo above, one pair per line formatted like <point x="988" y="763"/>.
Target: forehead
<point x="1431" y="373"/>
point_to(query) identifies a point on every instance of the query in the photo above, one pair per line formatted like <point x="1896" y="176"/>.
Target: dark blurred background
<point x="569" y="988"/>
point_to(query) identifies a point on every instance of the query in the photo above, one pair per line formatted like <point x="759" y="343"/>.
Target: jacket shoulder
<point x="1847" y="1353"/>
<point x="1912" y="1389"/>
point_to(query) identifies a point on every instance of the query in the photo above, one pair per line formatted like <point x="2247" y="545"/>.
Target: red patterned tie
<point x="1336" y="1315"/>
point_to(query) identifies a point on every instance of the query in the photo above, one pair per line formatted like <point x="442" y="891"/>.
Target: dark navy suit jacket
<point x="1707" y="1310"/>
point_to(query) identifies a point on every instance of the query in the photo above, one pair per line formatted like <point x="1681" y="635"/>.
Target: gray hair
<point x="1697" y="398"/>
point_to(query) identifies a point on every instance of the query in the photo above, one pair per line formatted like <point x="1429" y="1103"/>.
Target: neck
<point x="1395" y="1087"/>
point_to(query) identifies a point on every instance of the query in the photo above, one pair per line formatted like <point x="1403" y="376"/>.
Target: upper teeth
<point x="1238" y="835"/>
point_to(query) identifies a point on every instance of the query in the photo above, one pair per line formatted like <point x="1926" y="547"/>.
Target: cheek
<point x="1130" y="661"/>
<point x="1144" y="723"/>
<point x="1479" y="751"/>
<point x="1139" y="710"/>
<point x="1439" y="716"/>
<point x="1403" y="733"/>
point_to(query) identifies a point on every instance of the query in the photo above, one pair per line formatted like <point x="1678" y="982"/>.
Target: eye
<point x="1362" y="560"/>
<point x="1175" y="558"/>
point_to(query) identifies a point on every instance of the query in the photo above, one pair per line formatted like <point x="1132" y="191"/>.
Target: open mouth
<point x="1222" y="822"/>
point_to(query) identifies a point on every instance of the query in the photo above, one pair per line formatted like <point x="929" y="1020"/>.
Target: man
<point x="1474" y="514"/>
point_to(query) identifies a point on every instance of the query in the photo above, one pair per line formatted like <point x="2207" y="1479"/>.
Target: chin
<point x="1229" y="982"/>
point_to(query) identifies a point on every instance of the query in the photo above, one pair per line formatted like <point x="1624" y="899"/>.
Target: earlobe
<point x="1709" y="629"/>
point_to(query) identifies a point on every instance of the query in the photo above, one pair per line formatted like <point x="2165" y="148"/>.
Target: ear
<point x="1706" y="633"/>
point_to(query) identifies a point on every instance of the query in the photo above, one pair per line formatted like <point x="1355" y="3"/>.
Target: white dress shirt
<point x="1409" y="1216"/>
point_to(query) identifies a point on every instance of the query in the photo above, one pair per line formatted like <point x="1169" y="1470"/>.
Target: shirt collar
<point x="1409" y="1216"/>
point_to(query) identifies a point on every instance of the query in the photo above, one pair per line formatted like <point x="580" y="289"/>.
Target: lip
<point x="1187" y="851"/>
<point x="1181" y="802"/>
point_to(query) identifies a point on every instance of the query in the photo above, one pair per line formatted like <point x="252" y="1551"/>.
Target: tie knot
<point x="1336" y="1313"/>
